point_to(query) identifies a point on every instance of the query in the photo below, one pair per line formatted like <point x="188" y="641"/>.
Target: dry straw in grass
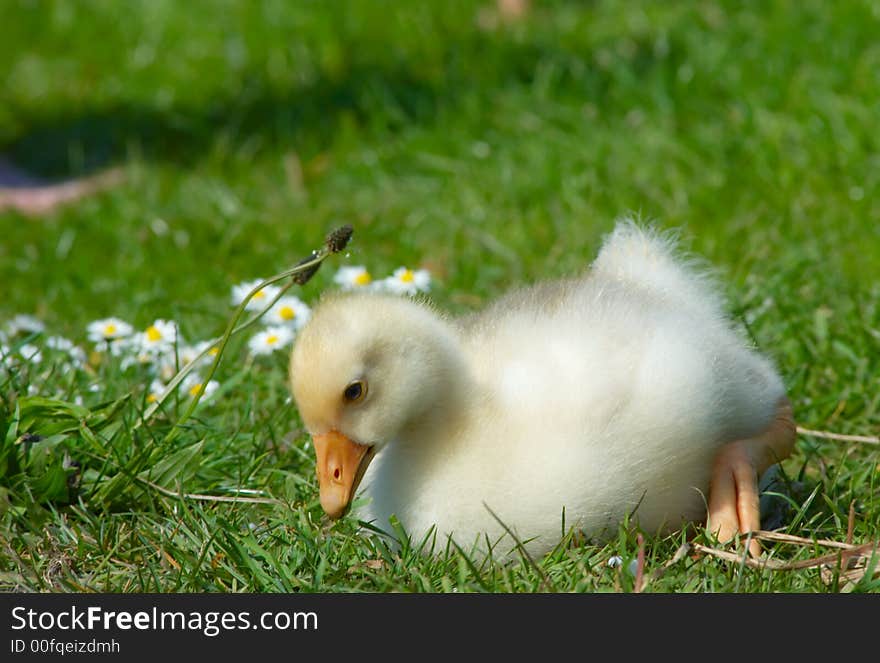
<point x="867" y="439"/>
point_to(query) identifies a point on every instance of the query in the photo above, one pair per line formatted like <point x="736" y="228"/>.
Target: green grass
<point x="494" y="157"/>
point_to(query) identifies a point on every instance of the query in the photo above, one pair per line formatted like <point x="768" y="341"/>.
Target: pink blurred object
<point x="33" y="196"/>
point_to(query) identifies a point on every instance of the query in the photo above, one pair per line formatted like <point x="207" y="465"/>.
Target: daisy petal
<point x="270" y="339"/>
<point x="289" y="312"/>
<point x="108" y="329"/>
<point x="405" y="281"/>
<point x="259" y="301"/>
<point x="353" y="278"/>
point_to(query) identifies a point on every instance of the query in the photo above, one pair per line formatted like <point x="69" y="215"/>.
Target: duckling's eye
<point x="355" y="391"/>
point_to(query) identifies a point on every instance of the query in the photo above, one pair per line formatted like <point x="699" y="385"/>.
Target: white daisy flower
<point x="353" y="278"/>
<point x="192" y="383"/>
<point x="159" y="337"/>
<point x="131" y="356"/>
<point x="24" y="324"/>
<point x="78" y="357"/>
<point x="167" y="364"/>
<point x="155" y="391"/>
<point x="270" y="339"/>
<point x="405" y="281"/>
<point x="166" y="367"/>
<point x="259" y="301"/>
<point x="108" y="329"/>
<point x="156" y="343"/>
<point x="30" y="353"/>
<point x="188" y="353"/>
<point x="289" y="311"/>
<point x="60" y="344"/>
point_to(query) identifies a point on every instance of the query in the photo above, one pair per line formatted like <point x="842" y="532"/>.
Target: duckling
<point x="623" y="392"/>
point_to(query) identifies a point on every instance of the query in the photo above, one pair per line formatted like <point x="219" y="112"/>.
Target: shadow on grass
<point x="62" y="144"/>
<point x="383" y="96"/>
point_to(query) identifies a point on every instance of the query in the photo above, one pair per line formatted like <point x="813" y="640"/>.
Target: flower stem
<point x="298" y="275"/>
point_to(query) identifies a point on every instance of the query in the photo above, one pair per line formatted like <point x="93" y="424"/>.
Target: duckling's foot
<point x="733" y="495"/>
<point x="733" y="489"/>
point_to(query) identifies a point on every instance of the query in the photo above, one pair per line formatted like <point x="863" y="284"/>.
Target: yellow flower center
<point x="153" y="334"/>
<point x="271" y="340"/>
<point x="194" y="390"/>
<point x="152" y="398"/>
<point x="407" y="276"/>
<point x="110" y="329"/>
<point x="287" y="313"/>
<point x="363" y="278"/>
<point x="259" y="295"/>
<point x="213" y="351"/>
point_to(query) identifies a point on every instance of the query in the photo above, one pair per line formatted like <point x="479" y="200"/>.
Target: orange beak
<point x="340" y="468"/>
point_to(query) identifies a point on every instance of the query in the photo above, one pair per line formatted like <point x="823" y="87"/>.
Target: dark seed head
<point x="301" y="278"/>
<point x="338" y="239"/>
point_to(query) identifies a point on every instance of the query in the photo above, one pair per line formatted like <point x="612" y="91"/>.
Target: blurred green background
<point x="492" y="152"/>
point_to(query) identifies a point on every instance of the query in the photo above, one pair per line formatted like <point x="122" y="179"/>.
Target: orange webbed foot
<point x="733" y="488"/>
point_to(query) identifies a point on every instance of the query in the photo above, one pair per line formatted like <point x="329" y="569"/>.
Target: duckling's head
<point x="368" y="371"/>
